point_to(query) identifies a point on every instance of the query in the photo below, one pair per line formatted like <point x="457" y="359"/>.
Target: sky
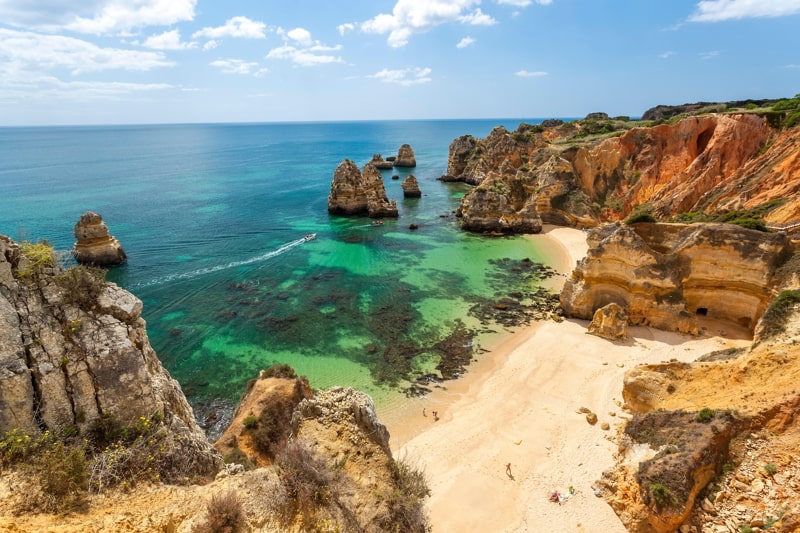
<point x="199" y="61"/>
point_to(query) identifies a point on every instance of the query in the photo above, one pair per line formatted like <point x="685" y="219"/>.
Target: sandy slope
<point x="519" y="405"/>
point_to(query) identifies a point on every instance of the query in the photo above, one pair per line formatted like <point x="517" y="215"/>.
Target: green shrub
<point x="636" y="218"/>
<point x="62" y="477"/>
<point x="36" y="257"/>
<point x="705" y="415"/>
<point x="224" y="514"/>
<point x="774" y="318"/>
<point x="238" y="457"/>
<point x="405" y="502"/>
<point x="770" y="469"/>
<point x="279" y="371"/>
<point x="307" y="478"/>
<point x="750" y="223"/>
<point x="662" y="495"/>
<point x="82" y="285"/>
<point x="250" y="422"/>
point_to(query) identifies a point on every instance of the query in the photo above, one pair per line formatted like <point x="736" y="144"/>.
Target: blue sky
<point x="168" y="61"/>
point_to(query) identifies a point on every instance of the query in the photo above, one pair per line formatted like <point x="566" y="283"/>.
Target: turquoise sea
<point x="212" y="219"/>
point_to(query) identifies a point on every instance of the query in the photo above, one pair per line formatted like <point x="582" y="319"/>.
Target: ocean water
<point x="212" y="219"/>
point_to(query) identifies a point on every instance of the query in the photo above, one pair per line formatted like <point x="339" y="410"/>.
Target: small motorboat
<point x="376" y="223"/>
<point x="310" y="237"/>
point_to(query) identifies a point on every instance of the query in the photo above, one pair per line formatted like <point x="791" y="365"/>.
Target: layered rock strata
<point x="405" y="157"/>
<point x="560" y="175"/>
<point x="666" y="275"/>
<point x="380" y="163"/>
<point x="610" y="322"/>
<point x="94" y="245"/>
<point x="357" y="193"/>
<point x="411" y="187"/>
<point x="67" y="365"/>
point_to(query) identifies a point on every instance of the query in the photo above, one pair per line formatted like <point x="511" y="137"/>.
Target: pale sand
<point x="518" y="404"/>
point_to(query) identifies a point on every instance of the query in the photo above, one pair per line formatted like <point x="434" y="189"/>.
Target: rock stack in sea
<point x="380" y="163"/>
<point x="354" y="192"/>
<point x="411" y="187"/>
<point x="405" y="157"/>
<point x="94" y="245"/>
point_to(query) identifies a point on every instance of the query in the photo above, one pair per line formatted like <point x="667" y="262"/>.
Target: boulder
<point x="596" y="116"/>
<point x="405" y="157"/>
<point x="380" y="163"/>
<point x="610" y="322"/>
<point x="411" y="187"/>
<point x="357" y="193"/>
<point x="94" y="245"/>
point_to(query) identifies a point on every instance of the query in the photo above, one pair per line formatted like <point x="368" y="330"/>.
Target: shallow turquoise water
<point x="212" y="219"/>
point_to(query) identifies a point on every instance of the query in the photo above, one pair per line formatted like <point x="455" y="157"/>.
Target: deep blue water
<point x="212" y="216"/>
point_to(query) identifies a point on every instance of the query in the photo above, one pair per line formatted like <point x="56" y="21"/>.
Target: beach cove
<point x="519" y="404"/>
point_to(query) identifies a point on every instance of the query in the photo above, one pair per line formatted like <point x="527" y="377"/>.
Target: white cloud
<point x="523" y="3"/>
<point x="717" y="10"/>
<point x="530" y="74"/>
<point x="415" y="16"/>
<point x="304" y="50"/>
<point x="405" y="77"/>
<point x="33" y="52"/>
<point x="465" y="42"/>
<point x="305" y="58"/>
<point x="210" y="45"/>
<point x="709" y="55"/>
<point x="169" y="40"/>
<point x="121" y="16"/>
<point x="300" y="35"/>
<point x="49" y="88"/>
<point x="235" y="66"/>
<point x="477" y="18"/>
<point x="667" y="54"/>
<point x="242" y="27"/>
<point x="792" y="66"/>
<point x="346" y="27"/>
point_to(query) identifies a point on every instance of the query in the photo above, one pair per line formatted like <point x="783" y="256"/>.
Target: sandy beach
<point x="518" y="404"/>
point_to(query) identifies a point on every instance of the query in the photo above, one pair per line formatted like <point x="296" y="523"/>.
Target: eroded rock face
<point x="405" y="157"/>
<point x="703" y="162"/>
<point x="664" y="275"/>
<point x="94" y="245"/>
<point x="357" y="193"/>
<point x="64" y="365"/>
<point x="380" y="163"/>
<point x="411" y="187"/>
<point x="610" y="322"/>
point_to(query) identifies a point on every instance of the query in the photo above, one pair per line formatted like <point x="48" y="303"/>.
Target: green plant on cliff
<point x="641" y="213"/>
<point x="82" y="285"/>
<point x="405" y="501"/>
<point x="662" y="495"/>
<point x="705" y="415"/>
<point x="775" y="317"/>
<point x="36" y="258"/>
<point x="308" y="480"/>
<point x="224" y="514"/>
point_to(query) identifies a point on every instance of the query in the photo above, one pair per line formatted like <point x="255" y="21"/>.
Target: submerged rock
<point x="94" y="245"/>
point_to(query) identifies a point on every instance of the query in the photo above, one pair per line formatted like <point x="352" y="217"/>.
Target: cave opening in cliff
<point x="702" y="311"/>
<point x="703" y="139"/>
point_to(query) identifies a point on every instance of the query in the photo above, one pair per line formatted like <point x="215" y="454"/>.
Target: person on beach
<point x="508" y="471"/>
<point x="423" y="412"/>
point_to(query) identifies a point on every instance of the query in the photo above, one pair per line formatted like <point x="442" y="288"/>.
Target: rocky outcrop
<point x="68" y="360"/>
<point x="381" y="164"/>
<point x="610" y="322"/>
<point x="357" y="193"/>
<point x="411" y="187"/>
<point x="747" y="418"/>
<point x="576" y="174"/>
<point x="94" y="245"/>
<point x="405" y="157"/>
<point x="665" y="275"/>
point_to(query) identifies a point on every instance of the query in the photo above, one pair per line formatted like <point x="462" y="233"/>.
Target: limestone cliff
<point x="576" y="174"/>
<point x="74" y="349"/>
<point x="731" y="417"/>
<point x="354" y="192"/>
<point x="405" y="157"/>
<point x="94" y="245"/>
<point x="664" y="275"/>
<point x="411" y="187"/>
